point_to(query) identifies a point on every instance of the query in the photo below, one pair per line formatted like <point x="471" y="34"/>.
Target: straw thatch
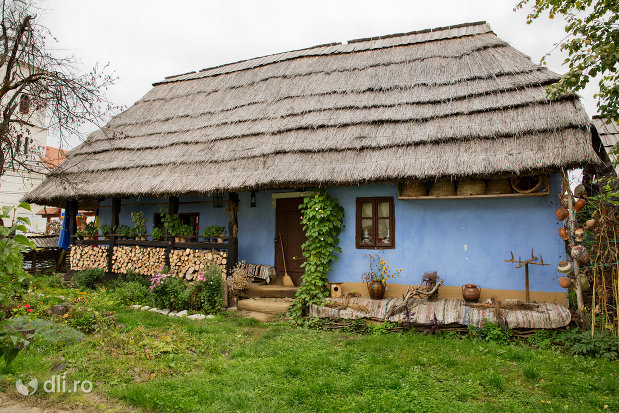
<point x="454" y="101"/>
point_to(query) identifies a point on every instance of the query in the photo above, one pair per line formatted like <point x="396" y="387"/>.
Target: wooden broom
<point x="287" y="280"/>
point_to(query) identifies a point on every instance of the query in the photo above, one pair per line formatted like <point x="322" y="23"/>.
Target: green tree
<point x="592" y="45"/>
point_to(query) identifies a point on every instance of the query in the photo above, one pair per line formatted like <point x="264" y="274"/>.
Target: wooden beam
<point x="116" y="202"/>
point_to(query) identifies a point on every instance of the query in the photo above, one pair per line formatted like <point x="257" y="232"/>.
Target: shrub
<point x="491" y="332"/>
<point x="207" y="290"/>
<point x="87" y="278"/>
<point x="602" y="345"/>
<point x="133" y="292"/>
<point x="169" y="291"/>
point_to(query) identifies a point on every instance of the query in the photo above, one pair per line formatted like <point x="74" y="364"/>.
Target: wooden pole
<point x="570" y="207"/>
<point x="526" y="275"/>
<point x="115" y="220"/>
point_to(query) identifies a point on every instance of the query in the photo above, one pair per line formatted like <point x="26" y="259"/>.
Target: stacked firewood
<point x="146" y="261"/>
<point x="188" y="263"/>
<point x="88" y="256"/>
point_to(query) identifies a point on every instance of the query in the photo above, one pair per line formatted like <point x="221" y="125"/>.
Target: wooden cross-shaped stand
<point x="525" y="264"/>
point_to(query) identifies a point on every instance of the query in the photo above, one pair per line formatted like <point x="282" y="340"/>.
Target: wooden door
<point x="288" y="225"/>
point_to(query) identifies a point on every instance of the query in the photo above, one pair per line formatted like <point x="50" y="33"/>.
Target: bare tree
<point x="38" y="88"/>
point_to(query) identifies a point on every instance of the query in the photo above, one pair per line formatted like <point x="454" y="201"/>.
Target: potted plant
<point x="123" y="231"/>
<point x="157" y="234"/>
<point x="376" y="278"/>
<point x="185" y="232"/>
<point x="139" y="224"/>
<point x="213" y="231"/>
<point x="80" y="234"/>
<point x="105" y="230"/>
<point x="90" y="230"/>
<point x="172" y="224"/>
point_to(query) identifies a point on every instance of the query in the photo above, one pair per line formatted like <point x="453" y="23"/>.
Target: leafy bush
<point x="87" y="278"/>
<point x="157" y="234"/>
<point x="206" y="293"/>
<point x="133" y="292"/>
<point x="602" y="345"/>
<point x="169" y="291"/>
<point x="491" y="332"/>
<point x="139" y="223"/>
<point x="13" y="278"/>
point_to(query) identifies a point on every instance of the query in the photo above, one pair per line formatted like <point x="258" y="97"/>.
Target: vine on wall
<point x="321" y="218"/>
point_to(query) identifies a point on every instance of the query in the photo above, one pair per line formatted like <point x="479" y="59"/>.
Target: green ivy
<point x="321" y="220"/>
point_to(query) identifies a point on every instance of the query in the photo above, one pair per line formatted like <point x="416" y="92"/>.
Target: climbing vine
<point x="321" y="219"/>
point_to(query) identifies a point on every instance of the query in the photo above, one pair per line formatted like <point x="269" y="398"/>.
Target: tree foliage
<point x="39" y="89"/>
<point x="592" y="44"/>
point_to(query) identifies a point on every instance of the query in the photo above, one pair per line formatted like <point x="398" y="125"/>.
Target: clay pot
<point x="562" y="213"/>
<point x="376" y="290"/>
<point x="580" y="254"/>
<point x="565" y="282"/>
<point x="564" y="267"/>
<point x="584" y="283"/>
<point x="580" y="204"/>
<point x="471" y="293"/>
<point x="579" y="234"/>
<point x="580" y="191"/>
<point x="590" y="224"/>
<point x="564" y="234"/>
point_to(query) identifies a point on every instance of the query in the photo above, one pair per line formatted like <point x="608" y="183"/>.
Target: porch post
<point x="172" y="209"/>
<point x="115" y="221"/>
<point x="233" y="229"/>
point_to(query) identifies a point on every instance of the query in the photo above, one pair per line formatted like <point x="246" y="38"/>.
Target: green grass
<point x="157" y="363"/>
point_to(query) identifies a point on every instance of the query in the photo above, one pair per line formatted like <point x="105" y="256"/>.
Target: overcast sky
<point x="144" y="41"/>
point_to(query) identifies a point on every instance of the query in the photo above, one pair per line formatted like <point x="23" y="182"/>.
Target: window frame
<point x="375" y="201"/>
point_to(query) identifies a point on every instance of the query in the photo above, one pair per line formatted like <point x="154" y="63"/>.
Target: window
<point x="375" y="223"/>
<point x="24" y="104"/>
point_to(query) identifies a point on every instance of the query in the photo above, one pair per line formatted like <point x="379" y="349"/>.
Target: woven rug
<point x="447" y="311"/>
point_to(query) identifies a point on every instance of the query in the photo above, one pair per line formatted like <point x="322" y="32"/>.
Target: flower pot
<point x="377" y="289"/>
<point x="580" y="204"/>
<point x="564" y="267"/>
<point x="562" y="213"/>
<point x="471" y="293"/>
<point x="177" y="239"/>
<point x="580" y="254"/>
<point x="565" y="282"/>
<point x="579" y="234"/>
<point x="564" y="234"/>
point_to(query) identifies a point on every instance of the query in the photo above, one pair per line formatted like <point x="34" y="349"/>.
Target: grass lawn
<point x="151" y="362"/>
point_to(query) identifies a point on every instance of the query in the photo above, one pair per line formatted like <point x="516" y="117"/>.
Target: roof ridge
<point x="435" y="29"/>
<point x="360" y="40"/>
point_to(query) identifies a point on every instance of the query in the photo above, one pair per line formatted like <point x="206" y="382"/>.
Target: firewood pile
<point x="188" y="263"/>
<point x="145" y="261"/>
<point x="88" y="256"/>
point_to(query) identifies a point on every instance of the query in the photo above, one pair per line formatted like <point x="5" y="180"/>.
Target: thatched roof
<point x="452" y="101"/>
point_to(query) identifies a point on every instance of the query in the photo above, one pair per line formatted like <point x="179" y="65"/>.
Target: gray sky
<point x="144" y="41"/>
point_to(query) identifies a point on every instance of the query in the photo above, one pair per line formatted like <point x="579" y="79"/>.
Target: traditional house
<point x="368" y="120"/>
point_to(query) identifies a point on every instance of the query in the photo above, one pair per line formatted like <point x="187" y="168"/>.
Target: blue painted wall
<point x="151" y="206"/>
<point x="464" y="240"/>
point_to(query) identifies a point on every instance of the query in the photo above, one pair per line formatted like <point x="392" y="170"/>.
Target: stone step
<point x="262" y="317"/>
<point x="270" y="291"/>
<point x="264" y="305"/>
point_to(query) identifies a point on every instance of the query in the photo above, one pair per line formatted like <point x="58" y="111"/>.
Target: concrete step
<point x="265" y="305"/>
<point x="270" y="291"/>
